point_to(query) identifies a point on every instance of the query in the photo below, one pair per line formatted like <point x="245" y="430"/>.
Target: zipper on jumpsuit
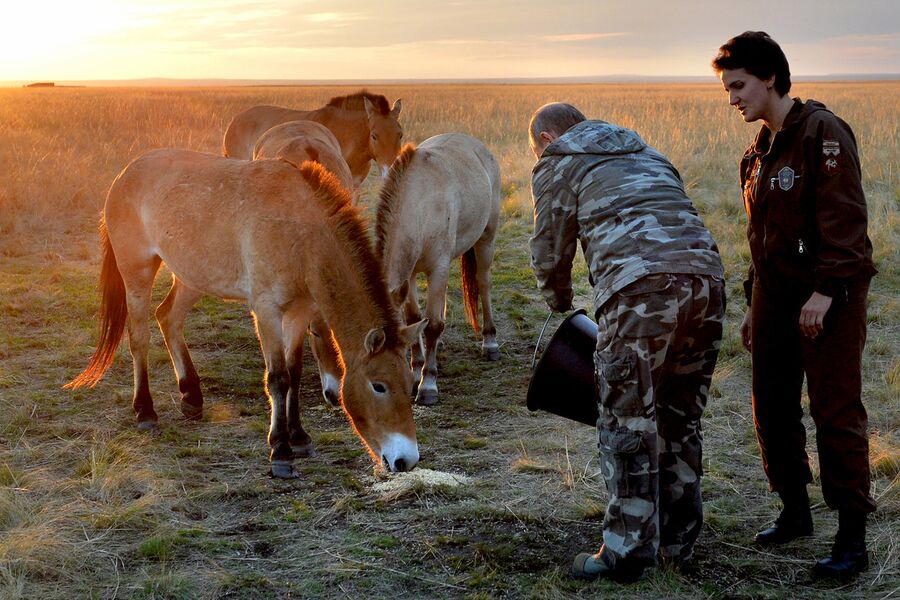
<point x="756" y="197"/>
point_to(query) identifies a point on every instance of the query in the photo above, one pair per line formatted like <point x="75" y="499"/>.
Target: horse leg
<point x="268" y="320"/>
<point x="434" y="312"/>
<point x="138" y="286"/>
<point x="324" y="350"/>
<point x="484" y="256"/>
<point x="170" y="315"/>
<point x="412" y="314"/>
<point x="294" y="324"/>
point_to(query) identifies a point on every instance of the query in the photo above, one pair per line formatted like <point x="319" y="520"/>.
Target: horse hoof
<point x="283" y="469"/>
<point x="426" y="397"/>
<point x="491" y="352"/>
<point x="191" y="412"/>
<point x="304" y="451"/>
<point x="147" y="426"/>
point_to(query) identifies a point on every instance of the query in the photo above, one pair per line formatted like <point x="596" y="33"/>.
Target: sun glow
<point x="34" y="35"/>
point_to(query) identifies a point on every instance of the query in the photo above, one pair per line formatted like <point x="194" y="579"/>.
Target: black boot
<point x="848" y="555"/>
<point x="794" y="521"/>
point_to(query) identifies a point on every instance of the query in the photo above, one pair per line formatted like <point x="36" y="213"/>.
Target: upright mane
<point x="350" y="227"/>
<point x="387" y="199"/>
<point x="357" y="102"/>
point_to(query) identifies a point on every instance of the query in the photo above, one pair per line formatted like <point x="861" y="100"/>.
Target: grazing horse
<point x="441" y="200"/>
<point x="289" y="242"/>
<point x="363" y="123"/>
<point x="297" y="142"/>
<point x="300" y="141"/>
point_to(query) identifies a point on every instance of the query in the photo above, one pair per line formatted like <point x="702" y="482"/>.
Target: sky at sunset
<point x="429" y="39"/>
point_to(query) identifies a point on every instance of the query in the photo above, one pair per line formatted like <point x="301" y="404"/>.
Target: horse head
<point x="385" y="134"/>
<point x="375" y="392"/>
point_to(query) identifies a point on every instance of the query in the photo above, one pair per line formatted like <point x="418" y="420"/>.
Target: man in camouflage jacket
<point x="659" y="301"/>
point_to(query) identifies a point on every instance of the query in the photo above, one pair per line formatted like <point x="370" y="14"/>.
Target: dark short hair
<point x="759" y="55"/>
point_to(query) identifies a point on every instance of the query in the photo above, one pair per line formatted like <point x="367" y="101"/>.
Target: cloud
<point x="581" y="37"/>
<point x="334" y="18"/>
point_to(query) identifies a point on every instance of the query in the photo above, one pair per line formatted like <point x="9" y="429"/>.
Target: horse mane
<point x="357" y="102"/>
<point x="350" y="227"/>
<point x="387" y="199"/>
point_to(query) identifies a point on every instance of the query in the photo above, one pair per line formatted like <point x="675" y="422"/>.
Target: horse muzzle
<point x="399" y="453"/>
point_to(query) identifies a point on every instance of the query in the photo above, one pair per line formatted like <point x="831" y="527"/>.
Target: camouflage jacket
<point x="602" y="185"/>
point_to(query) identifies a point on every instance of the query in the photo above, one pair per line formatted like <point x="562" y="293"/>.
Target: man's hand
<point x="812" y="315"/>
<point x="559" y="308"/>
<point x="745" y="330"/>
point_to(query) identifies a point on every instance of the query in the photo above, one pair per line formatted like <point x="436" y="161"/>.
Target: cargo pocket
<point x="647" y="308"/>
<point x="617" y="383"/>
<point x="625" y="463"/>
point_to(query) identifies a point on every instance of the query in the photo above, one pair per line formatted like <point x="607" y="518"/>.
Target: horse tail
<point x="469" y="270"/>
<point x="113" y="316"/>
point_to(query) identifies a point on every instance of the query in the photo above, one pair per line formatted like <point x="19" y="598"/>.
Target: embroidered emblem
<point x="831" y="147"/>
<point x="786" y="178"/>
<point x="831" y="165"/>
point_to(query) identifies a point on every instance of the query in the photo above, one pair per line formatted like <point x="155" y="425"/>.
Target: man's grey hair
<point x="556" y="118"/>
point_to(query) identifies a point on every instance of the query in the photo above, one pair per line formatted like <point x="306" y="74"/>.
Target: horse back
<point x="300" y="141"/>
<point x="445" y="200"/>
<point x="464" y="173"/>
<point x="464" y="154"/>
<point x="246" y="128"/>
<point x="221" y="225"/>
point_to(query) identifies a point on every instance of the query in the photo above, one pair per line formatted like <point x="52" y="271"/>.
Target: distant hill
<point x="169" y="82"/>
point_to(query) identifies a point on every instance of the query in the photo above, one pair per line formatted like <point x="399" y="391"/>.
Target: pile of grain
<point x="398" y="483"/>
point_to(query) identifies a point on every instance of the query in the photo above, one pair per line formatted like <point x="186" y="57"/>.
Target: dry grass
<point x="91" y="508"/>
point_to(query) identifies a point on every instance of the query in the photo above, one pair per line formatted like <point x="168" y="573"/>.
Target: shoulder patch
<point x="831" y="149"/>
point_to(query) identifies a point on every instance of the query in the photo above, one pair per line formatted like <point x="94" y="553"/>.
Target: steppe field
<point x="92" y="508"/>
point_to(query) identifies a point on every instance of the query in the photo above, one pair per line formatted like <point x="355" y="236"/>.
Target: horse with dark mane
<point x="289" y="242"/>
<point x="440" y="201"/>
<point x="365" y="125"/>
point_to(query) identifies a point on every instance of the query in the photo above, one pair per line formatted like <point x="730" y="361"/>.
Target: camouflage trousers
<point x="657" y="346"/>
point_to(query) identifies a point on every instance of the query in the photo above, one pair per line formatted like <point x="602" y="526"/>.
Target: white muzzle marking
<point x="331" y="384"/>
<point x="399" y="447"/>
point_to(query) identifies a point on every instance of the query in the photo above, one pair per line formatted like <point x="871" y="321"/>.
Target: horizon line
<point x="271" y="82"/>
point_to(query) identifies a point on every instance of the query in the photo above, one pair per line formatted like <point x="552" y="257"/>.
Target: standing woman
<point x="806" y="291"/>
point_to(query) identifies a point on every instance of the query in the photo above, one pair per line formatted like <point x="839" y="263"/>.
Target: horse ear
<point x="395" y="109"/>
<point x="411" y="333"/>
<point x="370" y="110"/>
<point x="374" y="340"/>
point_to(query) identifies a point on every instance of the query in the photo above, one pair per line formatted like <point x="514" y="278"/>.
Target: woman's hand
<point x="812" y="315"/>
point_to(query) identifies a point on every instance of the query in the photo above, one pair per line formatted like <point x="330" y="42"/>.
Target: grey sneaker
<point x="593" y="566"/>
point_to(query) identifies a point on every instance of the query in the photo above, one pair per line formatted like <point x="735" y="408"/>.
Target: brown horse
<point x="364" y="124"/>
<point x="441" y="200"/>
<point x="286" y="240"/>
<point x="297" y="142"/>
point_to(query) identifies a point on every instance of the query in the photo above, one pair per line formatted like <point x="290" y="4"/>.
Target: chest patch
<point x="786" y="178"/>
<point x="831" y="147"/>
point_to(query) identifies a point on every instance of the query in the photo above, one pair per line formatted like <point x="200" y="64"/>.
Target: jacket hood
<point x="801" y="111"/>
<point x="596" y="137"/>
